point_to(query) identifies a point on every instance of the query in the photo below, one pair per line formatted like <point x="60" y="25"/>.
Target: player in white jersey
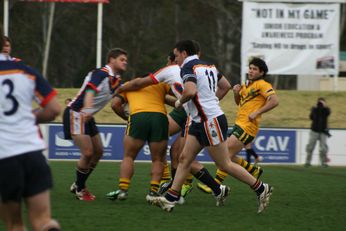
<point x="24" y="172"/>
<point x="79" y="124"/>
<point x="178" y="118"/>
<point x="208" y="129"/>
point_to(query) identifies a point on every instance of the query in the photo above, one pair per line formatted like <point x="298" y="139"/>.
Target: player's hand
<point x="236" y="88"/>
<point x="178" y="104"/>
<point x="252" y="116"/>
<point x="87" y="113"/>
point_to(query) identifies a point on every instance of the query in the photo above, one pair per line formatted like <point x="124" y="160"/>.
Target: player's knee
<point x="51" y="225"/>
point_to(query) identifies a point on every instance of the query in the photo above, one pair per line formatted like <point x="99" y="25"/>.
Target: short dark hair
<point x="171" y="56"/>
<point x="115" y="53"/>
<point x="260" y="64"/>
<point x="7" y="39"/>
<point x="186" y="45"/>
<point x="197" y="46"/>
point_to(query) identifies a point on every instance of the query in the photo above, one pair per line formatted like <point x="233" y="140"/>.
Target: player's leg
<point x="11" y="188"/>
<point x="36" y="193"/>
<point x="158" y="138"/>
<point x="310" y="147"/>
<point x="98" y="152"/>
<point x="85" y="145"/>
<point x="81" y="132"/>
<point x="131" y="148"/>
<point x="11" y="214"/>
<point x="158" y="156"/>
<point x="191" y="148"/>
<point x="251" y="152"/>
<point x="134" y="139"/>
<point x="236" y="141"/>
<point x="323" y="149"/>
<point x="177" y="122"/>
<point x="39" y="212"/>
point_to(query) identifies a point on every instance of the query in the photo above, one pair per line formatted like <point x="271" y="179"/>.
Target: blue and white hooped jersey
<point x="103" y="82"/>
<point x="19" y="86"/>
<point x="205" y="105"/>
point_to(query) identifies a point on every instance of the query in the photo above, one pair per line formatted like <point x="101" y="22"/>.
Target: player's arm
<point x="236" y="90"/>
<point x="170" y="100"/>
<point x="45" y="97"/>
<point x="117" y="107"/>
<point x="49" y="112"/>
<point x="88" y="104"/>
<point x="190" y="91"/>
<point x="271" y="102"/>
<point x="223" y="86"/>
<point x="136" y="84"/>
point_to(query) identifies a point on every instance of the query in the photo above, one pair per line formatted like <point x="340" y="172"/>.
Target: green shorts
<point x="148" y="126"/>
<point x="241" y="135"/>
<point x="179" y="116"/>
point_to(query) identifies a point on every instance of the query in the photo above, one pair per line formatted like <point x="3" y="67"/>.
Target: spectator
<point x="319" y="132"/>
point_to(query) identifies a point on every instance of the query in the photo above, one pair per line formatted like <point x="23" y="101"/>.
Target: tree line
<point x="147" y="29"/>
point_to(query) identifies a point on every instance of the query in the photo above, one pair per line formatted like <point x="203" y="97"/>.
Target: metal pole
<point x="49" y="35"/>
<point x="99" y="35"/>
<point x="6" y="10"/>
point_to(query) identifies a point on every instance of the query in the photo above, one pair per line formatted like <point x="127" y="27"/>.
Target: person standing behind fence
<point x="319" y="132"/>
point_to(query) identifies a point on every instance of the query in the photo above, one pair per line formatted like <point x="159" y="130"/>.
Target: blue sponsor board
<point x="274" y="146"/>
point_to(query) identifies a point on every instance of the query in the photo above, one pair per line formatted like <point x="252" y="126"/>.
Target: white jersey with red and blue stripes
<point x="170" y="75"/>
<point x="104" y="82"/>
<point x="205" y="105"/>
<point x="19" y="86"/>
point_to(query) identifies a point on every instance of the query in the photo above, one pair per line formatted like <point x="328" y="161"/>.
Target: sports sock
<point x="172" y="195"/>
<point x="204" y="176"/>
<point x="91" y="169"/>
<point x="258" y="187"/>
<point x="154" y="186"/>
<point x="166" y="174"/>
<point x="220" y="176"/>
<point x="189" y="179"/>
<point x="251" y="152"/>
<point x="173" y="171"/>
<point x="82" y="176"/>
<point x="248" y="157"/>
<point x="249" y="167"/>
<point x="124" y="184"/>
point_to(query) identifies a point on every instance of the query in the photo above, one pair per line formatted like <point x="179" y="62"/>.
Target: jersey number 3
<point x="10" y="97"/>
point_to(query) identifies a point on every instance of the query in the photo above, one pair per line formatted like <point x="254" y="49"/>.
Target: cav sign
<point x="275" y="146"/>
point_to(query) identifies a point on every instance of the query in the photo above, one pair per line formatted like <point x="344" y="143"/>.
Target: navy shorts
<point x="211" y="132"/>
<point x="24" y="176"/>
<point x="74" y="124"/>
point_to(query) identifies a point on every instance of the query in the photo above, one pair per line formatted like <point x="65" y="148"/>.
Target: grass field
<point x="303" y="199"/>
<point x="293" y="110"/>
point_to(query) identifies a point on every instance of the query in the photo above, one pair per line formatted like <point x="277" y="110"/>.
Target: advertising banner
<point x="293" y="38"/>
<point x="274" y="146"/>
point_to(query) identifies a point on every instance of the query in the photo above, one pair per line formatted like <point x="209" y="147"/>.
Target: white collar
<point x="110" y="70"/>
<point x="4" y="57"/>
<point x="189" y="58"/>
